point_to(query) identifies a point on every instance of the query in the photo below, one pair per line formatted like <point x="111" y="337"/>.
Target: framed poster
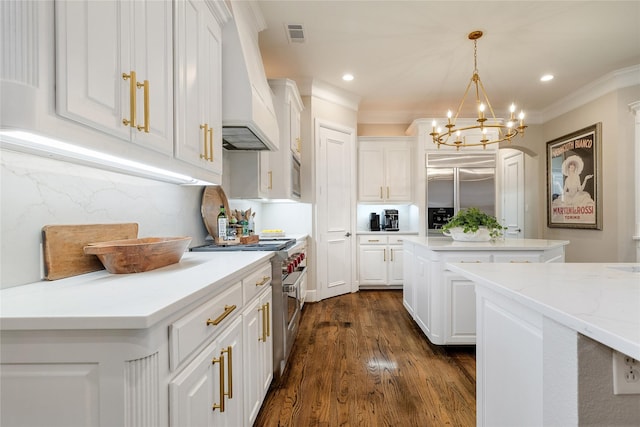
<point x="573" y="180"/>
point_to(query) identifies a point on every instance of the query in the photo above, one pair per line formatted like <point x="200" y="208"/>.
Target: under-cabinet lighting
<point x="42" y="145"/>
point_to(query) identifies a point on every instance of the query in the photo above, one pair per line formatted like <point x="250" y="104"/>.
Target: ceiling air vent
<point x="295" y="33"/>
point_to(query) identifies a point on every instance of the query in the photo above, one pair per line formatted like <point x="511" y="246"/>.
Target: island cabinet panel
<point x="442" y="302"/>
<point x="509" y="352"/>
<point x="175" y="355"/>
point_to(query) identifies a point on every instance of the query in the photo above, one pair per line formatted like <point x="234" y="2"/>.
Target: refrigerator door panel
<point x="476" y="188"/>
<point x="440" y="187"/>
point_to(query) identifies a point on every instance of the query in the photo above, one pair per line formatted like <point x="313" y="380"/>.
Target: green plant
<point x="471" y="219"/>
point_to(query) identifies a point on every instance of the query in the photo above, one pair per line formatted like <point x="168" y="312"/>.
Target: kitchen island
<point x="441" y="301"/>
<point x="147" y="348"/>
<point x="545" y="341"/>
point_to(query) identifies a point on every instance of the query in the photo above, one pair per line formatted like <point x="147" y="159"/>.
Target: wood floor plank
<point x="360" y="360"/>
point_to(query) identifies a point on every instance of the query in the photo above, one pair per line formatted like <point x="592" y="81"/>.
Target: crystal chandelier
<point x="457" y="136"/>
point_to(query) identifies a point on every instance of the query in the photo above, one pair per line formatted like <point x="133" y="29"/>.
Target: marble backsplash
<point x="38" y="191"/>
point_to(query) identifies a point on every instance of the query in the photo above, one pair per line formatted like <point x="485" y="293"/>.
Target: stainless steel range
<point x="289" y="275"/>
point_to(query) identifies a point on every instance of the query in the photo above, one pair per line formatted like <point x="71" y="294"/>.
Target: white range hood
<point x="248" y="118"/>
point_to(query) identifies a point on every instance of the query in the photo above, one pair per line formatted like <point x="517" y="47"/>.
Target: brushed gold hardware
<point x="221" y="361"/>
<point x="268" y="320"/>
<point x="298" y="144"/>
<point x="264" y="280"/>
<point x="229" y="371"/>
<point x="227" y="311"/>
<point x="145" y="126"/>
<point x="210" y="145"/>
<point x="387" y="192"/>
<point x="384" y="254"/>
<point x="391" y="250"/>
<point x="270" y="173"/>
<point x="373" y="240"/>
<point x="206" y="145"/>
<point x="519" y="262"/>
<point x="262" y="336"/>
<point x="132" y="98"/>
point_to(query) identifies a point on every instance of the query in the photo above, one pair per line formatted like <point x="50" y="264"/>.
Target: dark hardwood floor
<point x="360" y="360"/>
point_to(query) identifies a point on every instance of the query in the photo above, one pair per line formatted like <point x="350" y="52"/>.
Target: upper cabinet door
<point x="397" y="158"/>
<point x="198" y="86"/>
<point x="371" y="185"/>
<point x="114" y="66"/>
<point x="384" y="170"/>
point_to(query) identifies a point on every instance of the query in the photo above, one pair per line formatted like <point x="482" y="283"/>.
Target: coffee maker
<point x="374" y="222"/>
<point x="390" y="218"/>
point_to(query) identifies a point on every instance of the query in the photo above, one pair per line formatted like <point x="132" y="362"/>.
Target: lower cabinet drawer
<point x="256" y="282"/>
<point x="521" y="257"/>
<point x="470" y="257"/>
<point x="194" y="329"/>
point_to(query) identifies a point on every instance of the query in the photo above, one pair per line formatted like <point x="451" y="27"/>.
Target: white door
<point x="513" y="194"/>
<point x="335" y="199"/>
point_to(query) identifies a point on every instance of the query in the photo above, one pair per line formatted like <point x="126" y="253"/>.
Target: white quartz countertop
<point x="448" y="244"/>
<point x="101" y="300"/>
<point x="600" y="301"/>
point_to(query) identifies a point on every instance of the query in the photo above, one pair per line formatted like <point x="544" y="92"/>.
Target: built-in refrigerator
<point x="457" y="181"/>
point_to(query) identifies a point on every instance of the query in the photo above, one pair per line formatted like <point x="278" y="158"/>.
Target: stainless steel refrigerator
<point x="456" y="181"/>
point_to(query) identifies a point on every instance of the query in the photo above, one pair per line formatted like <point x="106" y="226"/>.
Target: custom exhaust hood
<point x="248" y="117"/>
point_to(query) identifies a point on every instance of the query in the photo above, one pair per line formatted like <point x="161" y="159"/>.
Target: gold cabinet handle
<point x="262" y="336"/>
<point x="145" y="126"/>
<point x="205" y="156"/>
<point x="268" y="315"/>
<point x="391" y="250"/>
<point x="387" y="192"/>
<point x="221" y="361"/>
<point x="210" y="158"/>
<point x="381" y="196"/>
<point x="373" y="240"/>
<point x="228" y="350"/>
<point x="270" y="173"/>
<point x="384" y="254"/>
<point x="132" y="98"/>
<point x="519" y="262"/>
<point x="473" y="262"/>
<point x="265" y="279"/>
<point x="298" y="144"/>
<point x="227" y="311"/>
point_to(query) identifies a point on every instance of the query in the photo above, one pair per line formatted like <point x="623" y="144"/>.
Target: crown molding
<point x="610" y="82"/>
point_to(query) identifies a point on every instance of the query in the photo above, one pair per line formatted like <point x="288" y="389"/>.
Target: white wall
<point x="38" y="191"/>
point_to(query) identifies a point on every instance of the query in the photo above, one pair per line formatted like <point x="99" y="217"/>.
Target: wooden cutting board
<point x="63" y="247"/>
<point x="212" y="197"/>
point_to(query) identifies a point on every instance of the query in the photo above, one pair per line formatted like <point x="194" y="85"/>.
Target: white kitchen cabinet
<point x="384" y="170"/>
<point x="198" y="71"/>
<point x="380" y="261"/>
<point x="157" y="362"/>
<point x="444" y="302"/>
<point x="288" y="106"/>
<point x="258" y="363"/>
<point x="208" y="392"/>
<point x="114" y="68"/>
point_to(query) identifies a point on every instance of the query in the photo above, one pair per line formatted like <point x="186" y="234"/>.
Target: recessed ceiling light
<point x="546" y="77"/>
<point x="347" y="77"/>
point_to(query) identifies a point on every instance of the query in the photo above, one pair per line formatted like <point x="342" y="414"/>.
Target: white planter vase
<point x="457" y="234"/>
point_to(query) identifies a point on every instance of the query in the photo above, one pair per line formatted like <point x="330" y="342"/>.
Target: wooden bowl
<point x="138" y="255"/>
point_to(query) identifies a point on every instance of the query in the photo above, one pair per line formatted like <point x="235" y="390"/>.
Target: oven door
<point x="293" y="306"/>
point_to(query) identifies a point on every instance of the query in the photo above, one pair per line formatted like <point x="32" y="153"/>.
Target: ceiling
<point x="413" y="59"/>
